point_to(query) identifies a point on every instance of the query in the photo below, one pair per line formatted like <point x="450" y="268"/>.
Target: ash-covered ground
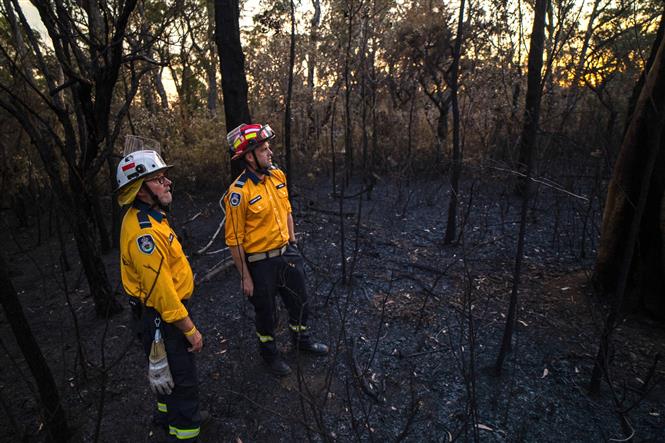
<point x="414" y="326"/>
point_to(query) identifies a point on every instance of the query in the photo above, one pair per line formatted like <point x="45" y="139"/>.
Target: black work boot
<point x="273" y="359"/>
<point x="205" y="418"/>
<point x="160" y="422"/>
<point x="277" y="365"/>
<point x="303" y="343"/>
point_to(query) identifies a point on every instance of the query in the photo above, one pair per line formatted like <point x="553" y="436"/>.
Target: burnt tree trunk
<point x="159" y="86"/>
<point x="211" y="63"/>
<point x="533" y="95"/>
<point x="289" y="95"/>
<point x="633" y="165"/>
<point x="442" y="133"/>
<point x="351" y="10"/>
<point x="80" y="214"/>
<point x="66" y="104"/>
<point x="312" y="130"/>
<point x="456" y="170"/>
<point x="528" y="141"/>
<point x="232" y="63"/>
<point x="54" y="415"/>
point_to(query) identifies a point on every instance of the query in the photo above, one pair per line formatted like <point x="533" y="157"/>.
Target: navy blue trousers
<point x="180" y="409"/>
<point x="284" y="275"/>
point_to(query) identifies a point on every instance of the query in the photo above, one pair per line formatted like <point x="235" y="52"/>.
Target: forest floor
<point x="414" y="331"/>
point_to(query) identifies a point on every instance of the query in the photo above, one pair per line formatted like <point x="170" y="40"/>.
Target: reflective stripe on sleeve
<point x="161" y="407"/>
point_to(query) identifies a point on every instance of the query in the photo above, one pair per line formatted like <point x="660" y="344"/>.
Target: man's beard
<point x="165" y="200"/>
<point x="266" y="167"/>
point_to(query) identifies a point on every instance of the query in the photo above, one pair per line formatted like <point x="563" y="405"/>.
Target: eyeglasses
<point x="162" y="179"/>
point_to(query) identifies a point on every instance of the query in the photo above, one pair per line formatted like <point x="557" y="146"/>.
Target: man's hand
<point x="247" y="285"/>
<point x="193" y="336"/>
<point x="196" y="340"/>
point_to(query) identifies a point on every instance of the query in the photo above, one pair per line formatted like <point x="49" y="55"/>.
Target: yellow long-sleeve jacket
<point x="153" y="266"/>
<point x="257" y="212"/>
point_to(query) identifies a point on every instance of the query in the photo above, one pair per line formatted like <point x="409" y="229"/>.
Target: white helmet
<point x="138" y="164"/>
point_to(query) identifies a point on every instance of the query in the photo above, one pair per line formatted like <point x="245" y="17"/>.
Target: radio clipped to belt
<point x="159" y="373"/>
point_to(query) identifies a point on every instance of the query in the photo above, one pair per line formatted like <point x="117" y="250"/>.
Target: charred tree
<point x="643" y="137"/>
<point x="528" y="141"/>
<point x="232" y="63"/>
<point x="635" y="195"/>
<point x="348" y="118"/>
<point x="533" y="95"/>
<point x="54" y="414"/>
<point x="451" y="225"/>
<point x="364" y="32"/>
<point x="211" y="63"/>
<point x="289" y="94"/>
<point x="67" y="104"/>
<point x="312" y="129"/>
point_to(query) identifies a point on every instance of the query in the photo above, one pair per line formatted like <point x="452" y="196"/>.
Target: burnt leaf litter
<point x="414" y="329"/>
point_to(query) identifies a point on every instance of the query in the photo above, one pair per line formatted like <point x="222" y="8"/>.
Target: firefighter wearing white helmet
<point x="260" y="235"/>
<point x="159" y="280"/>
<point x="132" y="171"/>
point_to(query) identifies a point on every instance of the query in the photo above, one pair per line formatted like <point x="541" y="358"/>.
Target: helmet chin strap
<point x="262" y="170"/>
<point x="155" y="200"/>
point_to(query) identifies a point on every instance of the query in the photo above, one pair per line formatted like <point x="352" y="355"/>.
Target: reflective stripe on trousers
<point x="283" y="276"/>
<point x="184" y="434"/>
<point x="264" y="338"/>
<point x="180" y="410"/>
<point x="298" y="328"/>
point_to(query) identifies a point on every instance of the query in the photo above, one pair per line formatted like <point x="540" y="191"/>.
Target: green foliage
<point x="201" y="155"/>
<point x="195" y="144"/>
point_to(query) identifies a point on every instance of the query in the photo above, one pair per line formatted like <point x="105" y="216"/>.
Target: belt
<point x="253" y="258"/>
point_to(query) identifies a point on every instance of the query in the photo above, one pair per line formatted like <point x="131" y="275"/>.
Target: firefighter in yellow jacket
<point x="260" y="234"/>
<point x="156" y="273"/>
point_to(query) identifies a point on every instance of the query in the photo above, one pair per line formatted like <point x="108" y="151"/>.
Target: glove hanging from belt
<point x="159" y="373"/>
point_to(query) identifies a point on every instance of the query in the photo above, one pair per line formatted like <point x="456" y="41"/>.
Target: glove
<point x="159" y="373"/>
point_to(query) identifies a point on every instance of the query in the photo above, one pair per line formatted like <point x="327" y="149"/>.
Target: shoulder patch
<point x="234" y="199"/>
<point x="255" y="199"/>
<point x="146" y="244"/>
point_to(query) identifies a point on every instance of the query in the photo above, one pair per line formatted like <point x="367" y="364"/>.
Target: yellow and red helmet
<point x="245" y="138"/>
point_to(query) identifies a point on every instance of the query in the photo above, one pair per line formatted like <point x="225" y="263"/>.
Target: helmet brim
<point x="120" y="188"/>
